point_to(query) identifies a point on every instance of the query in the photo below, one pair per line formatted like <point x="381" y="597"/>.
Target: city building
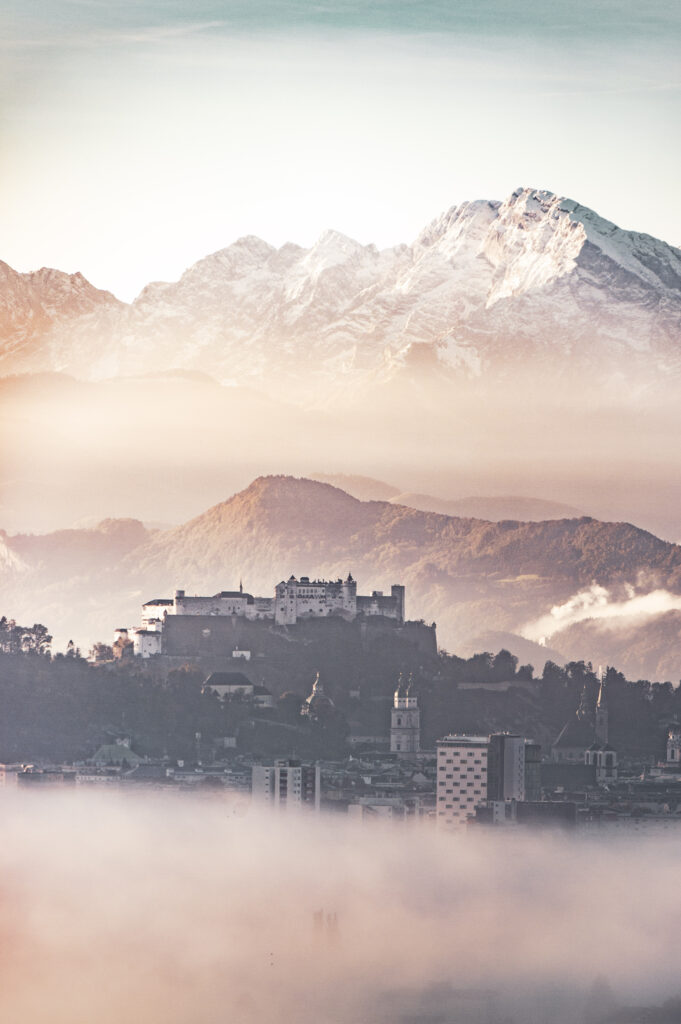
<point x="34" y="777"/>
<point x="461" y="777"/>
<point x="600" y="753"/>
<point x="506" y="767"/>
<point x="674" y="745"/>
<point x="585" y="738"/>
<point x="231" y="685"/>
<point x="533" y="762"/>
<point x="228" y="684"/>
<point x="405" y="720"/>
<point x="576" y="736"/>
<point x="287" y="785"/>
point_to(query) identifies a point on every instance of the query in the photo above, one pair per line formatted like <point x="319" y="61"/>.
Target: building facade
<point x="506" y="767"/>
<point x="461" y="778"/>
<point x="405" y="720"/>
<point x="287" y="785"/>
<point x="295" y="600"/>
<point x="585" y="738"/>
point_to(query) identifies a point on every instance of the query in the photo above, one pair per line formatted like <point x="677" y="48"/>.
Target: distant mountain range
<point x="488" y="289"/>
<point x="491" y="507"/>
<point x="474" y="578"/>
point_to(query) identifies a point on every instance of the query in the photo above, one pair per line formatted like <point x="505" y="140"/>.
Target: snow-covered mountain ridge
<point x="536" y="280"/>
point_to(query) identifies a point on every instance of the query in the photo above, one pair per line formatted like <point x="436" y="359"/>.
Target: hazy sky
<point x="137" y="137"/>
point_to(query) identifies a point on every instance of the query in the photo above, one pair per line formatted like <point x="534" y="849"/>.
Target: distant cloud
<point x="598" y="603"/>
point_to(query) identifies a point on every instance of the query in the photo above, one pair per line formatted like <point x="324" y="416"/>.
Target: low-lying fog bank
<point x="163" y="909"/>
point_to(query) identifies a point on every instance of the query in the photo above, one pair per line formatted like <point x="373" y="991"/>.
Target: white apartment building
<point x="461" y="778"/>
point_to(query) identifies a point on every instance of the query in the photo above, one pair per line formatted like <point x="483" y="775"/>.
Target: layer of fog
<point x="599" y="604"/>
<point x="182" y="911"/>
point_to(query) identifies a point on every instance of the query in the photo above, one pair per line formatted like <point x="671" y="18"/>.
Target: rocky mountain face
<point x="468" y="575"/>
<point x="38" y="307"/>
<point x="486" y="289"/>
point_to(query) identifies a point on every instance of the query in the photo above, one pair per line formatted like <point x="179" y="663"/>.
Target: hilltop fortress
<point x="294" y="601"/>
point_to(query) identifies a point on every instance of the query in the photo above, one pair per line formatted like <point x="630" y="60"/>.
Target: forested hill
<point x="465" y="574"/>
<point x="282" y="524"/>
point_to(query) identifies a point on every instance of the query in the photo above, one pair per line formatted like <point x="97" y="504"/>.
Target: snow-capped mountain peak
<point x="486" y="285"/>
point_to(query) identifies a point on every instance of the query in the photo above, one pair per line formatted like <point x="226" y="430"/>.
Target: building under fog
<point x="287" y="785"/>
<point x="461" y="777"/>
<point x="497" y="772"/>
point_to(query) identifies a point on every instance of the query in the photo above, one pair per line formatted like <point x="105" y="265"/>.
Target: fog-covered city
<point x="340" y="529"/>
<point x="184" y="910"/>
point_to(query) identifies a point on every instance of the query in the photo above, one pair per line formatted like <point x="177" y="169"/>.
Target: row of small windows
<point x="468" y="757"/>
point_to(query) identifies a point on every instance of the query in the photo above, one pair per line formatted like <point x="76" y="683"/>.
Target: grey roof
<point x="227" y="679"/>
<point x="578" y="732"/>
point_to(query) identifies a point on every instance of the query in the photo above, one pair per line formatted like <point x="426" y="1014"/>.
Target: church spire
<point x="601" y="729"/>
<point x="602" y="701"/>
<point x="583" y="709"/>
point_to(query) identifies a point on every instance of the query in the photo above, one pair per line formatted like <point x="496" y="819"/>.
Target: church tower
<point x="405" y="723"/>
<point x="674" y="744"/>
<point x="601" y="725"/>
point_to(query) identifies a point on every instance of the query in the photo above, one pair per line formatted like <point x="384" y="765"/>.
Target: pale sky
<point x="137" y="137"/>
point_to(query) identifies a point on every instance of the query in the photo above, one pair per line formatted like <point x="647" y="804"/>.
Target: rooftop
<point x="227" y="679"/>
<point x="463" y="741"/>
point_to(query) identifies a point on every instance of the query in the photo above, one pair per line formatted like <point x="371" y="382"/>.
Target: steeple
<point x="405" y="724"/>
<point x="601" y="727"/>
<point x="318" y="702"/>
<point x="602" y="701"/>
<point x="583" y="709"/>
<point x="411" y="692"/>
